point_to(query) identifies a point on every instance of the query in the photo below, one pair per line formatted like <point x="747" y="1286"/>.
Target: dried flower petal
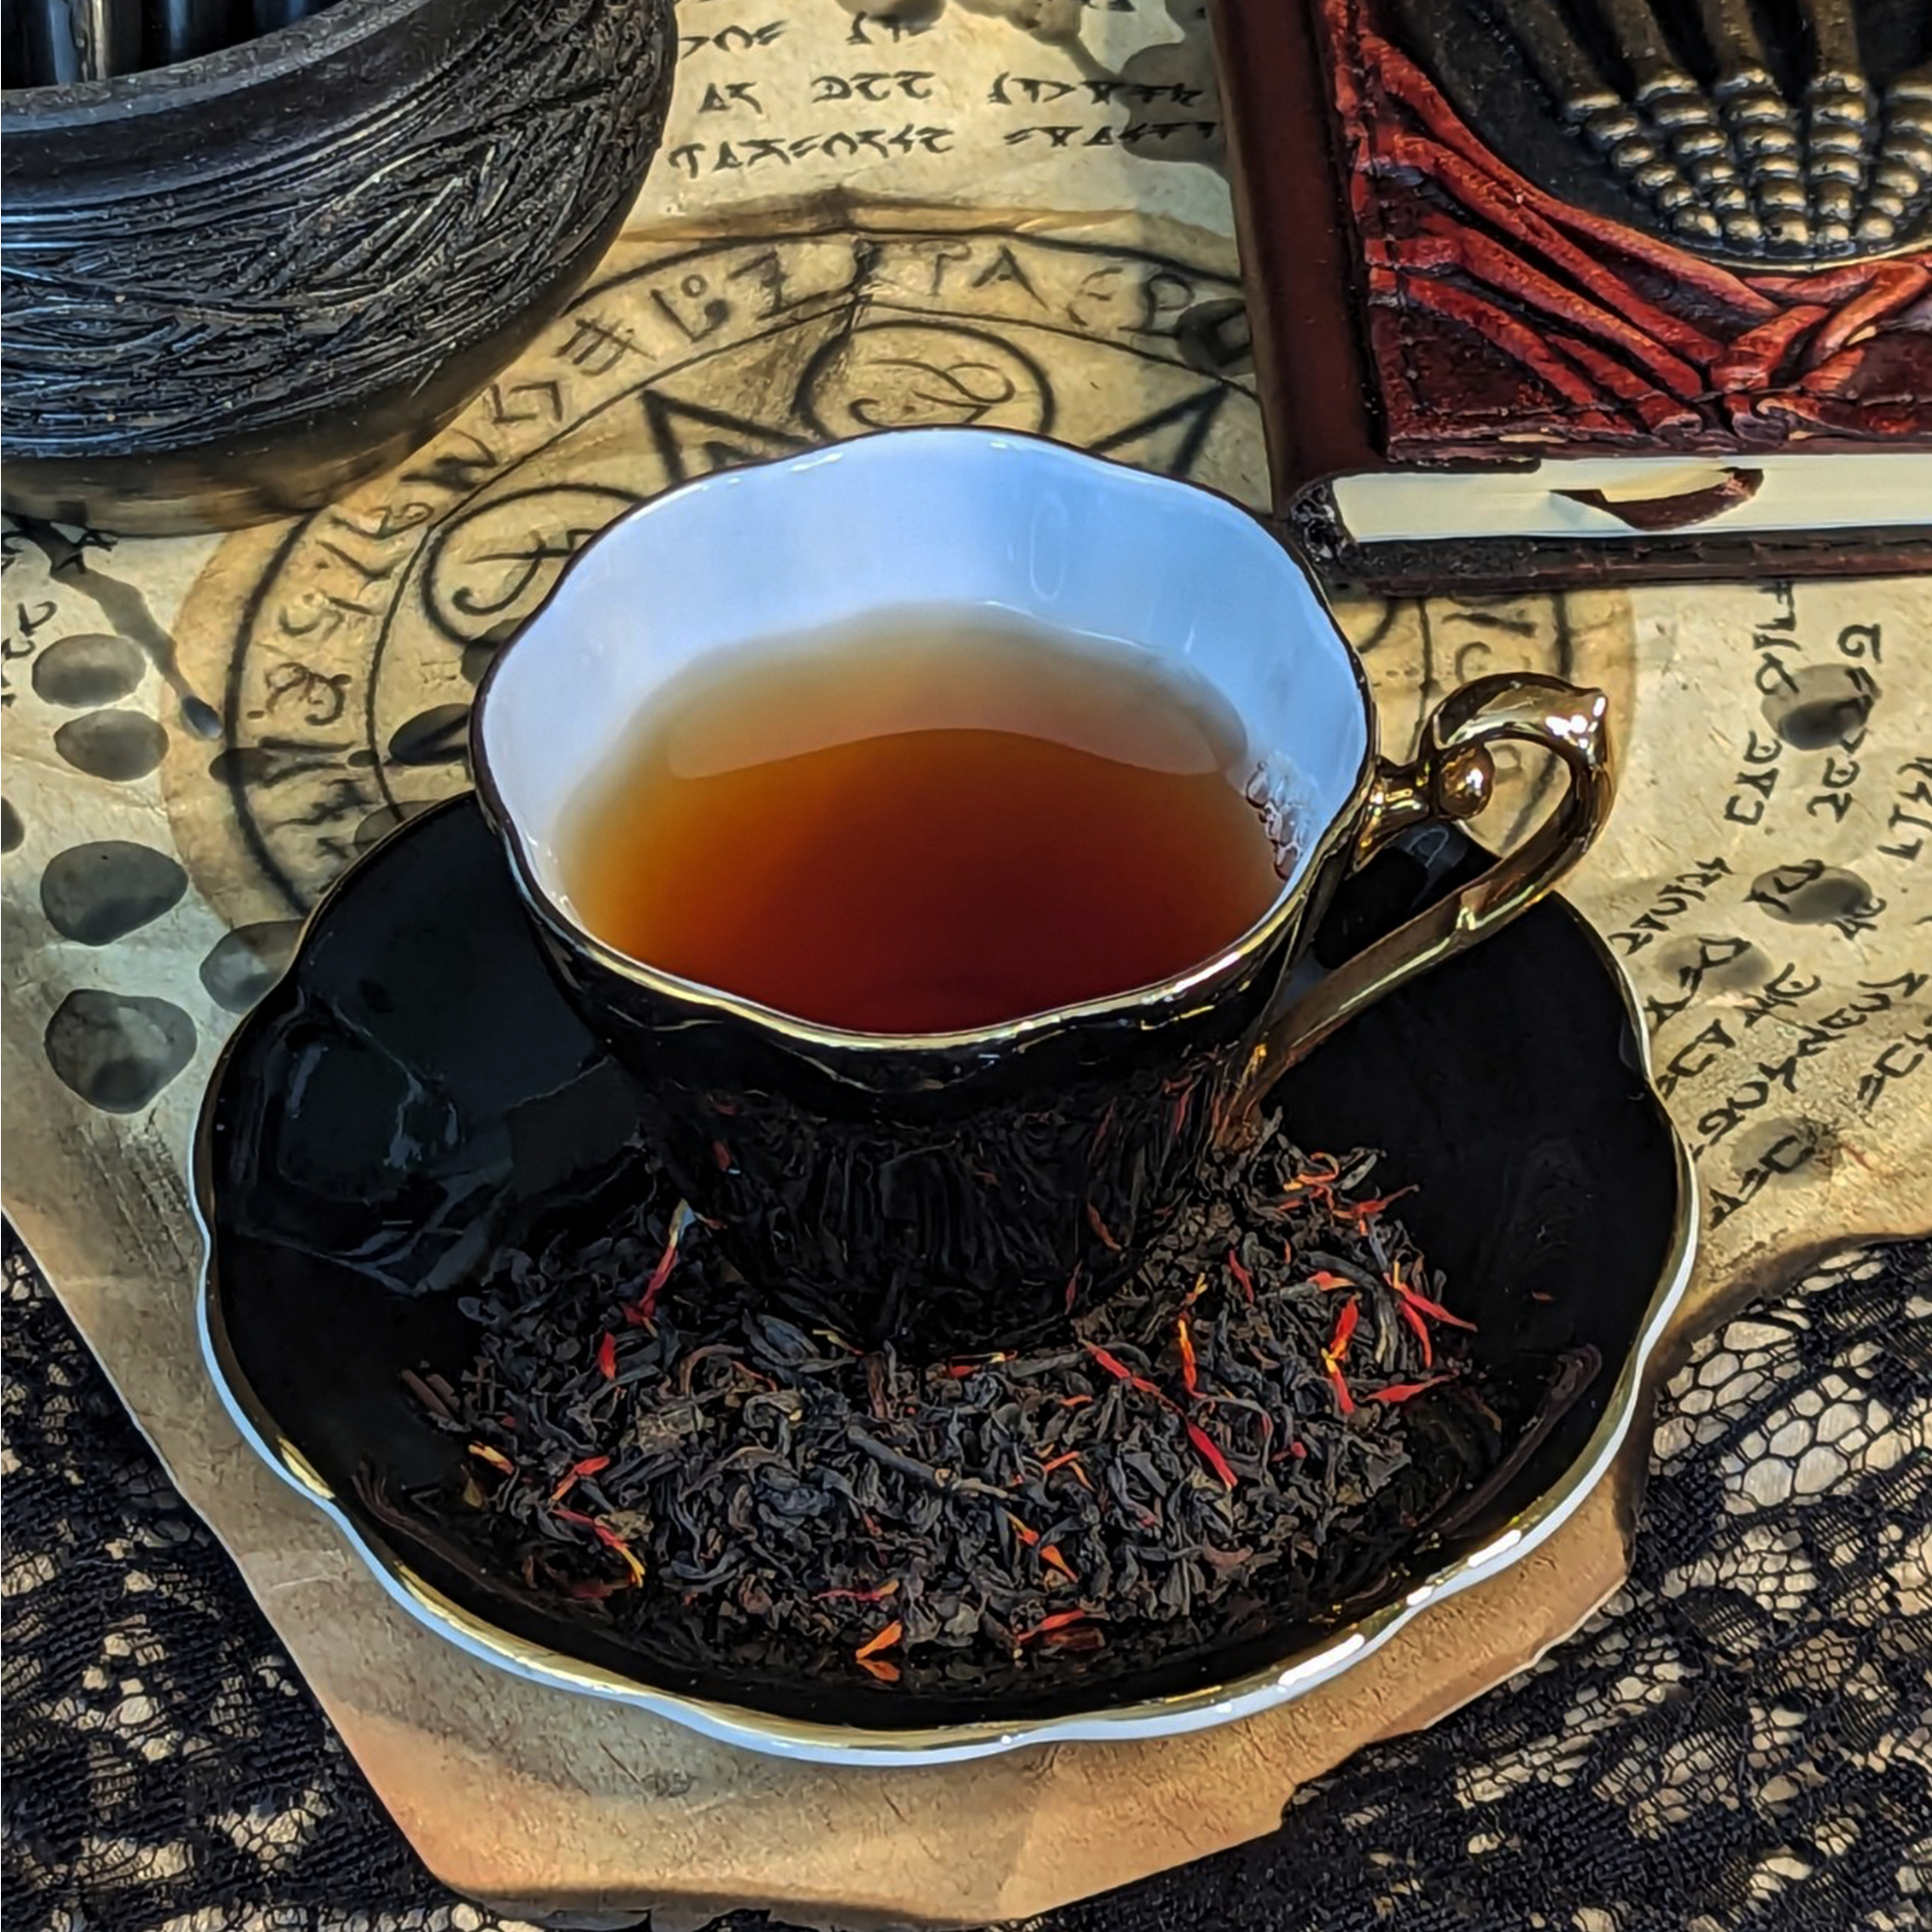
<point x="590" y="1466"/>
<point x="1102" y="1231"/>
<point x="1435" y="1309"/>
<point x="1048" y="1624"/>
<point x="879" y="1595"/>
<point x="1345" y="1321"/>
<point x="1189" y="1373"/>
<point x="883" y="1640"/>
<point x="1344" y="1400"/>
<point x="610" y="1540"/>
<point x="1362" y="1212"/>
<point x="1402" y="1391"/>
<point x="647" y="1308"/>
<point x="1241" y="1275"/>
<point x="1210" y="1453"/>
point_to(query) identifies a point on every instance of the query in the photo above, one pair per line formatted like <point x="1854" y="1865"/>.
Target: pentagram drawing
<point x="346" y="649"/>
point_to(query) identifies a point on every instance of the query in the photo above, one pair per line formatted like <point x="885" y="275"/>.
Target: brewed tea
<point x="942" y="822"/>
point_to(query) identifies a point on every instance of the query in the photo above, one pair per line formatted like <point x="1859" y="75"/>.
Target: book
<point x="1561" y="289"/>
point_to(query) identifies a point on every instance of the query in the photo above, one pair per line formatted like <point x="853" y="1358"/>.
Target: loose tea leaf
<point x="1250" y="1431"/>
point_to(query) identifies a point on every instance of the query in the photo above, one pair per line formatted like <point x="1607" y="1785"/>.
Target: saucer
<point x="415" y="1091"/>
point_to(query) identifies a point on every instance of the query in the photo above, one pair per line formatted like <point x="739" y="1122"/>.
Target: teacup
<point x="957" y="1191"/>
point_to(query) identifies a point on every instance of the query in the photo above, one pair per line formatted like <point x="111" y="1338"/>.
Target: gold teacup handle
<point x="1453" y="777"/>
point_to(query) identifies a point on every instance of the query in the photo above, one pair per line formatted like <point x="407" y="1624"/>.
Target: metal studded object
<point x="1747" y="134"/>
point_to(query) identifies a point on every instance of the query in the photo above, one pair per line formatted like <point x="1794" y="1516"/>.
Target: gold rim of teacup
<point x="1336" y="835"/>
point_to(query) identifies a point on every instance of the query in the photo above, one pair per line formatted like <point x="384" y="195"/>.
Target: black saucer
<point x="415" y="1092"/>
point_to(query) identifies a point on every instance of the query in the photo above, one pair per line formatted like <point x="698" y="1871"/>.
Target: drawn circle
<point x="922" y="375"/>
<point x="91" y="668"/>
<point x="1811" y="893"/>
<point x="117" y="1051"/>
<point x="103" y="890"/>
<point x="243" y="964"/>
<point x="1825" y="705"/>
<point x="118" y="745"/>
<point x="346" y="649"/>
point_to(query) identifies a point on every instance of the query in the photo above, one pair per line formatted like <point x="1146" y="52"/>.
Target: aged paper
<point x="1063" y="107"/>
<point x="1765" y="880"/>
<point x="1005" y="213"/>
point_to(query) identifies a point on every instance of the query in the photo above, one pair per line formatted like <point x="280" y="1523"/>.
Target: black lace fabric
<point x="1741" y="1742"/>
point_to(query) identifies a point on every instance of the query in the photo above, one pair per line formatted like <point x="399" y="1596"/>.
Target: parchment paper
<point x="200" y="733"/>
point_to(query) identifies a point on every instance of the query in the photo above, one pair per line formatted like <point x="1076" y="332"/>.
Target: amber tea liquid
<point x="934" y="823"/>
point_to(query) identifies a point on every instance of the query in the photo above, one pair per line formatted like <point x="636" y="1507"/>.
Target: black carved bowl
<point x="416" y="1095"/>
<point x="235" y="286"/>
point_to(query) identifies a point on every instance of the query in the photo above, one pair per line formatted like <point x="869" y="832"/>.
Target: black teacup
<point x="960" y="1191"/>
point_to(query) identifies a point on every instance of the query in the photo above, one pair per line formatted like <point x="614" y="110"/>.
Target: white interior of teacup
<point x="974" y="520"/>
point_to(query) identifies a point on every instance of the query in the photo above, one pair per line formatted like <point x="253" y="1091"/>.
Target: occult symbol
<point x="350" y="646"/>
<point x="487" y="569"/>
<point x="318" y="696"/>
<point x="920" y="375"/>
